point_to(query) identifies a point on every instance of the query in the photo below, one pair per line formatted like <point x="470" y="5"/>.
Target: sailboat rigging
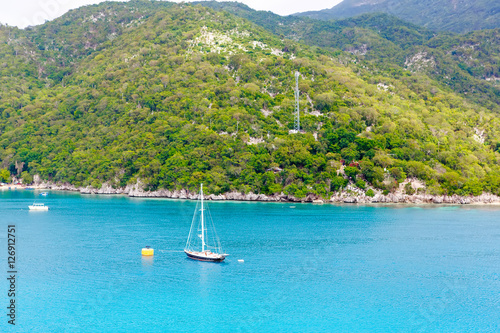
<point x="211" y="249"/>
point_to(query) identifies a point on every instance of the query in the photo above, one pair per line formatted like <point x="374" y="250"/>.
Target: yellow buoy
<point x="147" y="251"/>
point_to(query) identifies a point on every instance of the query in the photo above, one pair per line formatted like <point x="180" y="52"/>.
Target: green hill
<point x="172" y="96"/>
<point x="442" y="15"/>
<point x="468" y="64"/>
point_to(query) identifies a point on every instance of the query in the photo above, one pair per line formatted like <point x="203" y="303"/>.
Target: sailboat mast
<point x="202" y="222"/>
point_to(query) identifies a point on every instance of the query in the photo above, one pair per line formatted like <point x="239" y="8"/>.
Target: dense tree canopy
<point x="186" y="94"/>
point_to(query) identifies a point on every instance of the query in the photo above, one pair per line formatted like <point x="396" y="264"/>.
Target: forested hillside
<point x="468" y="64"/>
<point x="443" y="15"/>
<point x="170" y="97"/>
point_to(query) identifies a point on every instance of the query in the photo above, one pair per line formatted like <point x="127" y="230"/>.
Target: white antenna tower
<point x="297" y="110"/>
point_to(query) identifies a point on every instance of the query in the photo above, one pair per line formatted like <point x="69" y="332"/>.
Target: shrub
<point x="409" y="189"/>
<point x="338" y="182"/>
<point x="361" y="184"/>
<point x="27" y="178"/>
<point x="5" y="176"/>
<point x="351" y="172"/>
<point x="275" y="188"/>
<point x="398" y="174"/>
<point x="370" y="193"/>
<point x="472" y="186"/>
<point x="96" y="184"/>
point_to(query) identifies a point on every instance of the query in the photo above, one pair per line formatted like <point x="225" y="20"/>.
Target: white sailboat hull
<point x="205" y="256"/>
<point x="39" y="208"/>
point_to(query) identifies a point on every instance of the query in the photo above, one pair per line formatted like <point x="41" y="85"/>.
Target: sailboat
<point x="203" y="229"/>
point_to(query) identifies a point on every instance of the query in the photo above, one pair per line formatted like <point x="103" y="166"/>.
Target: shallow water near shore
<point x="311" y="268"/>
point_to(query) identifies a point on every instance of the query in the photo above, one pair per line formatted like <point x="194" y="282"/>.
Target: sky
<point x="22" y="13"/>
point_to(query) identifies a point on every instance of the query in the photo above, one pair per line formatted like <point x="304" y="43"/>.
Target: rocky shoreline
<point x="348" y="196"/>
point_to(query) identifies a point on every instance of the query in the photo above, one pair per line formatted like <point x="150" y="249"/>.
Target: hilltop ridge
<point x="468" y="64"/>
<point x="443" y="15"/>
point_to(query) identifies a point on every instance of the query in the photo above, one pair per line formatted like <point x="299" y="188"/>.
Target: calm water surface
<point x="307" y="269"/>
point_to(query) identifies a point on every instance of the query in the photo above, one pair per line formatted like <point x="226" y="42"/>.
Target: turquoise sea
<point x="307" y="268"/>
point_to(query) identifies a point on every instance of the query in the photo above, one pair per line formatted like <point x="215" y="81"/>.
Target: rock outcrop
<point x="350" y="195"/>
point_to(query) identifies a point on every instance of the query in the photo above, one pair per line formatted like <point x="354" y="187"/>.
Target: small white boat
<point x="209" y="251"/>
<point x="44" y="194"/>
<point x="38" y="206"/>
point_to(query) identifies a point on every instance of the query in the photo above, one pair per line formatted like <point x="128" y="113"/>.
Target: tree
<point x="409" y="189"/>
<point x="5" y="176"/>
<point x="361" y="184"/>
<point x="26" y="177"/>
<point x="351" y="172"/>
<point x="398" y="174"/>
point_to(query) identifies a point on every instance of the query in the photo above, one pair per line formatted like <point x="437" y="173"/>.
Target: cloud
<point x="23" y="13"/>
